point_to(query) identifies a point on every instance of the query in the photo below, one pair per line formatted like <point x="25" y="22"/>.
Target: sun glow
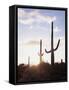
<point x="32" y="51"/>
<point x="29" y="51"/>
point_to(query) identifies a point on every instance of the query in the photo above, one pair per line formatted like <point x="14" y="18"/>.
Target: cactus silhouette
<point x="41" y="54"/>
<point x="28" y="60"/>
<point x="52" y="47"/>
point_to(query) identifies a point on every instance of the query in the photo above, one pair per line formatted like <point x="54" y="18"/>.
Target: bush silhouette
<point x="41" y="72"/>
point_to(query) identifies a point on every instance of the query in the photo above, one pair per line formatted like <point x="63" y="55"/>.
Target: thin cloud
<point x="32" y="42"/>
<point x="28" y="21"/>
<point x="33" y="16"/>
<point x="56" y="29"/>
<point x="47" y="19"/>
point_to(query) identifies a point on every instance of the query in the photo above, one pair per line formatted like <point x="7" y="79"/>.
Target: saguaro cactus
<point x="41" y="54"/>
<point x="52" y="48"/>
<point x="28" y="60"/>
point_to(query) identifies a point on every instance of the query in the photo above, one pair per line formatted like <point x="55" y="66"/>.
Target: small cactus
<point x="41" y="54"/>
<point x="28" y="60"/>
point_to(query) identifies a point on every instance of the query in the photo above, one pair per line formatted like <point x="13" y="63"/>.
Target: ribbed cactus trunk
<point x="52" y="51"/>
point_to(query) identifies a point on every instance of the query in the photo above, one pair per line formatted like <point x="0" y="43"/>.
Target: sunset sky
<point x="35" y="24"/>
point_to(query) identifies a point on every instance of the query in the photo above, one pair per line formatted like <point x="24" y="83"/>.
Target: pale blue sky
<point x="42" y="28"/>
<point x="35" y="24"/>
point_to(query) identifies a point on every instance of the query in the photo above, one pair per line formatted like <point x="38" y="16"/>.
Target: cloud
<point x="47" y="19"/>
<point x="32" y="42"/>
<point x="30" y="17"/>
<point x="26" y="21"/>
<point x="56" y="29"/>
<point x="34" y="13"/>
<point x="21" y="13"/>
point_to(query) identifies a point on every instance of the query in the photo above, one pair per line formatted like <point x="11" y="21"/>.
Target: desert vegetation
<point x="41" y="72"/>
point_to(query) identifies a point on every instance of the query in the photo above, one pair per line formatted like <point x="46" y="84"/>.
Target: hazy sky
<point x="35" y="24"/>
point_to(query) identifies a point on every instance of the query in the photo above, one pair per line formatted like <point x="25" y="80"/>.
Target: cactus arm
<point x="55" y="48"/>
<point x="47" y="51"/>
<point x="57" y="45"/>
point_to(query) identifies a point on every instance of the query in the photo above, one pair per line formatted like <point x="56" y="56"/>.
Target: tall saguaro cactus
<point x="52" y="47"/>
